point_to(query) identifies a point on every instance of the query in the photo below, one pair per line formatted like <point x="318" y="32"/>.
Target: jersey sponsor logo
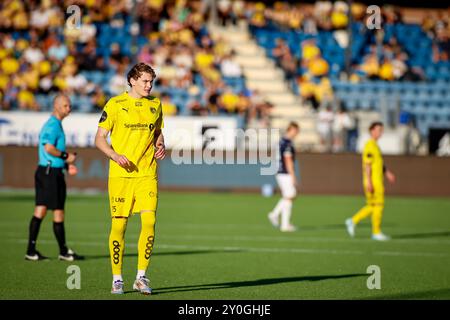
<point x="149" y="247"/>
<point x="121" y="100"/>
<point x="136" y="126"/>
<point x="103" y="117"/>
<point x="116" y="250"/>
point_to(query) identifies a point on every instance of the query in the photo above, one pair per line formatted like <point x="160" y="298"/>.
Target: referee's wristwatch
<point x="64" y="155"/>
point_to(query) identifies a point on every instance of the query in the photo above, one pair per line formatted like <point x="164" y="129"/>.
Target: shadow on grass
<point x="338" y="227"/>
<point x="252" y="283"/>
<point x="422" y="235"/>
<point x="166" y="253"/>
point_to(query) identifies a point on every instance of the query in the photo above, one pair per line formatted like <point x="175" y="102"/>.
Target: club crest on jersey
<point x="153" y="110"/>
<point x="103" y="117"/>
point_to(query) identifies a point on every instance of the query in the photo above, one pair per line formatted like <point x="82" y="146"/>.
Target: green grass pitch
<point x="221" y="246"/>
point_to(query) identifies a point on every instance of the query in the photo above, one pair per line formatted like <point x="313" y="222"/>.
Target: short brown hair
<point x="375" y="124"/>
<point x="137" y="71"/>
<point x="293" y="124"/>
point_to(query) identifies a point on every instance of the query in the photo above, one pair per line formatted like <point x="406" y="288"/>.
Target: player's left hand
<point x="160" y="151"/>
<point x="390" y="176"/>
<point x="73" y="170"/>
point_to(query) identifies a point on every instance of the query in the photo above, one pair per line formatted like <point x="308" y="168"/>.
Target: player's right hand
<point x="71" y="157"/>
<point x="121" y="160"/>
<point x="370" y="188"/>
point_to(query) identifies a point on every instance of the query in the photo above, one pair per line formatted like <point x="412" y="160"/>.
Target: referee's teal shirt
<point x="52" y="132"/>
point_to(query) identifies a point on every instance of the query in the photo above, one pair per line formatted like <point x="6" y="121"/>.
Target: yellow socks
<point x="377" y="215"/>
<point x="117" y="244"/>
<point x="146" y="238"/>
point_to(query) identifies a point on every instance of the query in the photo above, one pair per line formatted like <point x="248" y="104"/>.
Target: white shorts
<point x="286" y="184"/>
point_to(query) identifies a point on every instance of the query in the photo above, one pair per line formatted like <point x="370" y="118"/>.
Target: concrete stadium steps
<point x="248" y="48"/>
<point x="305" y="125"/>
<point x="288" y="111"/>
<point x="279" y="99"/>
<point x="262" y="74"/>
<point x="265" y="86"/>
<point x="259" y="62"/>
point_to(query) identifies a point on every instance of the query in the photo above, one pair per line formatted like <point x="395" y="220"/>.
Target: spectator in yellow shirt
<point x="309" y="50"/>
<point x="339" y="19"/>
<point x="387" y="71"/>
<point x="204" y="59"/>
<point x="228" y="101"/>
<point x="10" y="65"/>
<point x="26" y="100"/>
<point x="370" y="66"/>
<point x="168" y="107"/>
<point x="318" y="67"/>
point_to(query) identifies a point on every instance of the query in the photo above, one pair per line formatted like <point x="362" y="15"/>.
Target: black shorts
<point x="50" y="188"/>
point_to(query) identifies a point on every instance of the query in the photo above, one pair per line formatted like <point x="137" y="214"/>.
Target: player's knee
<point x="40" y="212"/>
<point x="148" y="219"/>
<point x="118" y="225"/>
<point x="58" y="216"/>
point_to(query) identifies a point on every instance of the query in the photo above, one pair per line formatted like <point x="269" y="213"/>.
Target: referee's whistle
<point x="47" y="170"/>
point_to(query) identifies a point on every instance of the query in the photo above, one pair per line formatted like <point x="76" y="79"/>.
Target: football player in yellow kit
<point x="134" y="121"/>
<point x="373" y="181"/>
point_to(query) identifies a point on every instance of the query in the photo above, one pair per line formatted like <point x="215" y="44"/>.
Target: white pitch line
<point x="261" y="250"/>
<point x="284" y="239"/>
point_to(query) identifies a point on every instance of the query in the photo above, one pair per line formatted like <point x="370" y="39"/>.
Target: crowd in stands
<point x="309" y="42"/>
<point x="43" y="50"/>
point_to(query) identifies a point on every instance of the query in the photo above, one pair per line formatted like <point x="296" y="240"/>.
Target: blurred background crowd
<point x="329" y="56"/>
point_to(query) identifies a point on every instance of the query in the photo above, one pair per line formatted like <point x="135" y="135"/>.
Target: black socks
<point x="35" y="225"/>
<point x="60" y="234"/>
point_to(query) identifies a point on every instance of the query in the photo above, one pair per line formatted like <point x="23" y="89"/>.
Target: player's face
<point x="293" y="132"/>
<point x="377" y="132"/>
<point x="63" y="107"/>
<point x="143" y="85"/>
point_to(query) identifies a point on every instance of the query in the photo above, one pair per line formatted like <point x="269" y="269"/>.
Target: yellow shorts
<point x="132" y="195"/>
<point x="375" y="198"/>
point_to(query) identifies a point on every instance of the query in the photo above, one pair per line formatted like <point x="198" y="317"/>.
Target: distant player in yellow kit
<point x="134" y="119"/>
<point x="373" y="175"/>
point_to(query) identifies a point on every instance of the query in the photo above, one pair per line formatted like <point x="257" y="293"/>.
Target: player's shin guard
<point x="117" y="244"/>
<point x="362" y="214"/>
<point x="376" y="218"/>
<point x="146" y="239"/>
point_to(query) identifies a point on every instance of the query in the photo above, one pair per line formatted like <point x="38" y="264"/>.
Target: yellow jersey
<point x="132" y="124"/>
<point x="372" y="156"/>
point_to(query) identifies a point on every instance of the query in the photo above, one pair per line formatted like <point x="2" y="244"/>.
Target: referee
<point x="50" y="184"/>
